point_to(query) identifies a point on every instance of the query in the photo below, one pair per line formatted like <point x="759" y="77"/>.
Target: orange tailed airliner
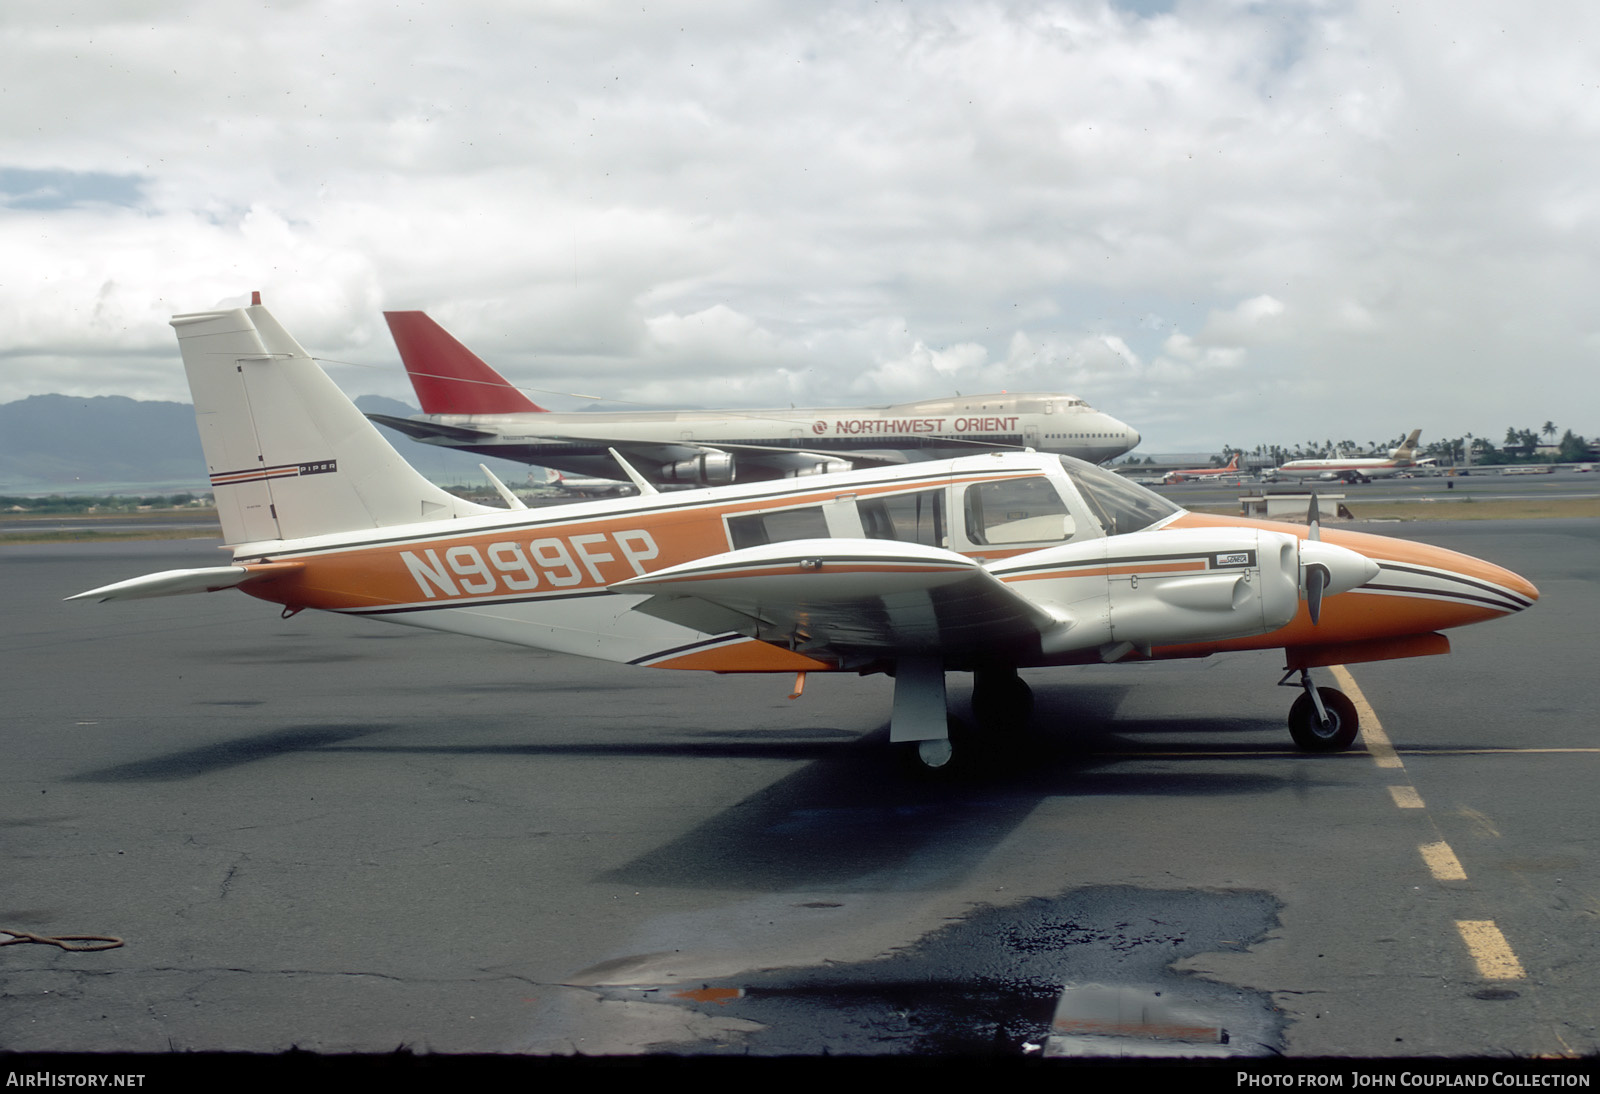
<point x="1187" y="473"/>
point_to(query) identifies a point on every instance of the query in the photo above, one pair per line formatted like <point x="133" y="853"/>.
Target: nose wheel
<point x="1322" y="719"/>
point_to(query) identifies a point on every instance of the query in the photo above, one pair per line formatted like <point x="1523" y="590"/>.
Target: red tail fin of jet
<point x="448" y="377"/>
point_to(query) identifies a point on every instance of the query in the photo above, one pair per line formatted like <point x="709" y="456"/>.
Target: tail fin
<point x="1408" y="447"/>
<point x="1233" y="464"/>
<point x="447" y="376"/>
<point x="289" y="454"/>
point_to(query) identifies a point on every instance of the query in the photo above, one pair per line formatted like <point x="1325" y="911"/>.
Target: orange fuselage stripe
<point x="584" y="556"/>
<point x="1110" y="571"/>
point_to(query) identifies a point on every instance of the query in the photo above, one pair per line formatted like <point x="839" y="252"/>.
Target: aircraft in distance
<point x="983" y="564"/>
<point x="468" y="405"/>
<point x="1188" y="473"/>
<point x="584" y="486"/>
<point x="1356" y="469"/>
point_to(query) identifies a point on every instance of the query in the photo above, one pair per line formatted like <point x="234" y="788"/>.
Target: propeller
<point x="1316" y="582"/>
<point x="1327" y="568"/>
<point x="1316" y="576"/>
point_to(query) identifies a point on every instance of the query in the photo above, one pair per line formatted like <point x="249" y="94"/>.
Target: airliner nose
<point x="1124" y="432"/>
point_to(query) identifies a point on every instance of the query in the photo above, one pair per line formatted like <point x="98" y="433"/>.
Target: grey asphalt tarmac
<point x="1368" y="498"/>
<point x="345" y="836"/>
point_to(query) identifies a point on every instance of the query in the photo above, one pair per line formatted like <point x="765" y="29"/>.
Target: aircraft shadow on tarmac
<point x="851" y="817"/>
<point x="192" y="763"/>
<point x="853" y="820"/>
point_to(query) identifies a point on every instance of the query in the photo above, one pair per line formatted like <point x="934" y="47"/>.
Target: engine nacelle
<point x="709" y="468"/>
<point x="818" y="467"/>
<point x="1242" y="582"/>
<point x="1173" y="586"/>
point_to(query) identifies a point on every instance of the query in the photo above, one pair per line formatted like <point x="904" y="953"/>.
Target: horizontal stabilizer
<point x="208" y="579"/>
<point x="851" y="596"/>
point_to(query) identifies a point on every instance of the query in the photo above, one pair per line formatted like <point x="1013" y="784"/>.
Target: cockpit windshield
<point x="1119" y="505"/>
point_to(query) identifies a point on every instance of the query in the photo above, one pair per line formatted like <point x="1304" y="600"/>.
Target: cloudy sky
<point x="1221" y="221"/>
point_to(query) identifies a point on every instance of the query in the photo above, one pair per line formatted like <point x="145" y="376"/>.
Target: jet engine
<point x="818" y="467"/>
<point x="709" y="468"/>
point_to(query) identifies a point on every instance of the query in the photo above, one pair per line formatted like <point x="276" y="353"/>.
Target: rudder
<point x="448" y="377"/>
<point x="288" y="453"/>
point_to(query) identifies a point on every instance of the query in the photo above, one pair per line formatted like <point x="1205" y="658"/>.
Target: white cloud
<point x="1190" y="355"/>
<point x="1193" y="217"/>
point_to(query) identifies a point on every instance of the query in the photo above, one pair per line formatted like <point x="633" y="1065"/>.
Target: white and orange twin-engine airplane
<point x="982" y="564"/>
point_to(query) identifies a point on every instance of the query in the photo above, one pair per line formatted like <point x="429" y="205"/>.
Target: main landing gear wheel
<point x="1002" y="702"/>
<point x="1313" y="734"/>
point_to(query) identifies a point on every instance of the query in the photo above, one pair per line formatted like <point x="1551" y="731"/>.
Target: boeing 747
<point x="468" y="405"/>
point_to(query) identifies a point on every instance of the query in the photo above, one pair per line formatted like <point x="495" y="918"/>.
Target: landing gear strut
<point x="920" y="727"/>
<point x="1001" y="700"/>
<point x="1322" y="719"/>
<point x="929" y="740"/>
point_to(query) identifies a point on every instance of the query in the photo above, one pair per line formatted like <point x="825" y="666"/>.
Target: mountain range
<point x="110" y="444"/>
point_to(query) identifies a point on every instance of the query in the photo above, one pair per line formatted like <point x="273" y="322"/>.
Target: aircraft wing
<point x="421" y="430"/>
<point x="854" y="599"/>
<point x="755" y="453"/>
<point x="776" y="461"/>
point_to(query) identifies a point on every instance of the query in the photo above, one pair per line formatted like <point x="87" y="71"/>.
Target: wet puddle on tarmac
<point x="1087" y="973"/>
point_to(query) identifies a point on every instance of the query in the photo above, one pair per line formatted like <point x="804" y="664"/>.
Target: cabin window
<point x="1120" y="506"/>
<point x="1016" y="511"/>
<point x="908" y="518"/>
<point x="755" y="529"/>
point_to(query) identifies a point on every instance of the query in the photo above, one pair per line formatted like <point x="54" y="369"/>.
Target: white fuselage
<point x="1366" y="468"/>
<point x="1057" y="423"/>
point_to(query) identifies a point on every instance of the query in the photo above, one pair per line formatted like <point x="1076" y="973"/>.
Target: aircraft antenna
<point x="644" y="484"/>
<point x="511" y="500"/>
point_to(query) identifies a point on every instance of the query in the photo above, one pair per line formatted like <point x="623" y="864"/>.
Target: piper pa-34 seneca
<point x="982" y="564"/>
<point x="468" y="405"/>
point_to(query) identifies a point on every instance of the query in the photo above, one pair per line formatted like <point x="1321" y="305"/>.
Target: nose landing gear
<point x="1322" y="719"/>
